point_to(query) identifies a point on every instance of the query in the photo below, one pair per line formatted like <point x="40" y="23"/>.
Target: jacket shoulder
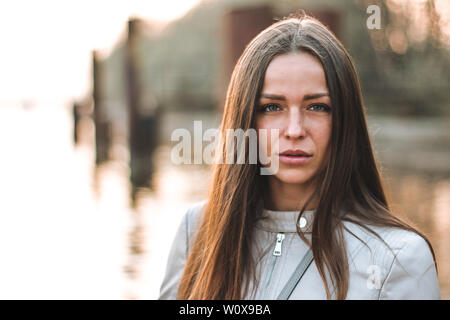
<point x="192" y="220"/>
<point x="179" y="251"/>
<point x="399" y="263"/>
<point x="383" y="239"/>
<point x="412" y="272"/>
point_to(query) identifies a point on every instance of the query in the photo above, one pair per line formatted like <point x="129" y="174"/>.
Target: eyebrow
<point x="283" y="98"/>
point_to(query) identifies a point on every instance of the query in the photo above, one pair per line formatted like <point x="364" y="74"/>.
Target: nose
<point x="295" y="124"/>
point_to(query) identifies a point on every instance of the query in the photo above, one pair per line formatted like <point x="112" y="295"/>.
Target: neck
<point x="281" y="196"/>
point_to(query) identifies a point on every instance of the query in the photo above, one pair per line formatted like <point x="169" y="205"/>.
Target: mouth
<point x="295" y="153"/>
<point x="295" y="157"/>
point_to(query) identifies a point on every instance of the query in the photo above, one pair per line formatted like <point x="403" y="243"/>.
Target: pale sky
<point x="45" y="45"/>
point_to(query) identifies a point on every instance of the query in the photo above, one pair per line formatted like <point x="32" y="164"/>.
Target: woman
<point x="251" y="239"/>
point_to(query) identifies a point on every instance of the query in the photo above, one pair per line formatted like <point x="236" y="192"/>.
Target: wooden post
<point x="141" y="128"/>
<point x="76" y="119"/>
<point x="102" y="127"/>
<point x="132" y="82"/>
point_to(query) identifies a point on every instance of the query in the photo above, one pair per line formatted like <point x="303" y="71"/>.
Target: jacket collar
<point x="284" y="221"/>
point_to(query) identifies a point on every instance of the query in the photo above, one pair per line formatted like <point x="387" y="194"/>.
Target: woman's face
<point x="295" y="100"/>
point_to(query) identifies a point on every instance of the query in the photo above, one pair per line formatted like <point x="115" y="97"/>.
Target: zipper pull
<point x="277" y="250"/>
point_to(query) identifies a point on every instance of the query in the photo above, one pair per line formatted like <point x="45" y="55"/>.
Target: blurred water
<point x="69" y="231"/>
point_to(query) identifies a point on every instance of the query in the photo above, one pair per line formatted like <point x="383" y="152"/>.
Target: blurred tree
<point x="404" y="66"/>
<point x="412" y="56"/>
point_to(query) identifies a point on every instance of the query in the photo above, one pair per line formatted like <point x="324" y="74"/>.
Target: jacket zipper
<point x="277" y="253"/>
<point x="277" y="250"/>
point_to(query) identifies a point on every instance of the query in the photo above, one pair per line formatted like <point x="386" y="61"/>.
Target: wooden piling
<point x="76" y="120"/>
<point x="141" y="127"/>
<point x="102" y="127"/>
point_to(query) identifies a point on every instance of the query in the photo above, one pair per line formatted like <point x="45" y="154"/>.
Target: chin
<point x="293" y="177"/>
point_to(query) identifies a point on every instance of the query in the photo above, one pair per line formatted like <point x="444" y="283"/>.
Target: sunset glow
<point x="46" y="45"/>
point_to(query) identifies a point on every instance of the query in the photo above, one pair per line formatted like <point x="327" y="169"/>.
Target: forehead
<point x="295" y="72"/>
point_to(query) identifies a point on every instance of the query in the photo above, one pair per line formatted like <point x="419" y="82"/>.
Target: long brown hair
<point x="220" y="264"/>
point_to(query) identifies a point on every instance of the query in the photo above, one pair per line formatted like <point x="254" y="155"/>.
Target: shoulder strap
<point x="296" y="276"/>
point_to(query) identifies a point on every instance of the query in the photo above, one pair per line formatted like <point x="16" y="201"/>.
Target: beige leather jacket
<point x="408" y="272"/>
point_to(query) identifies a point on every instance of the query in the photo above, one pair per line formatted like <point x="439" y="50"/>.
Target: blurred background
<point x="90" y="93"/>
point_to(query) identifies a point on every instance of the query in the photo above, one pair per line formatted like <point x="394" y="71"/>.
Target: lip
<point x="298" y="152"/>
<point x="294" y="157"/>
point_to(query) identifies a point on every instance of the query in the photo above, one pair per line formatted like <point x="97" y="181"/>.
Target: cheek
<point x="322" y="137"/>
